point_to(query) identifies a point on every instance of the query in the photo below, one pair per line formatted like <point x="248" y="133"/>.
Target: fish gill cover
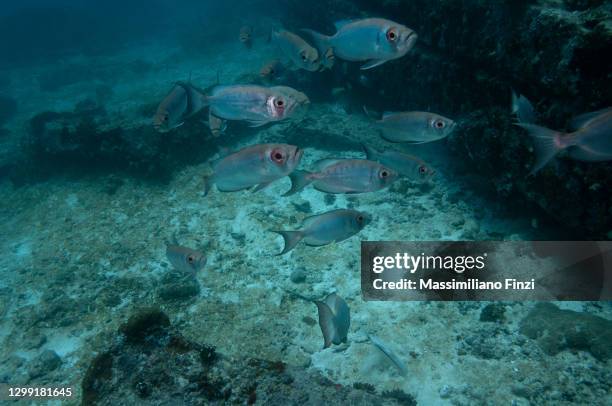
<point x="156" y="157"/>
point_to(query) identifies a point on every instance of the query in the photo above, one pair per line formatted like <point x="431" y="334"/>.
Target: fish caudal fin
<point x="299" y="180"/>
<point x="322" y="42"/>
<point x="291" y="239"/>
<point x="327" y="323"/>
<point x="545" y="144"/>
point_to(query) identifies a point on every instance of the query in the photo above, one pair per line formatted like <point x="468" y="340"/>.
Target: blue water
<point x="91" y="195"/>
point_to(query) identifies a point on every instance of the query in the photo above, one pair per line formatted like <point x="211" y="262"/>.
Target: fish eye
<point x="439" y="124"/>
<point x="392" y="34"/>
<point x="191" y="259"/>
<point x="279" y="103"/>
<point x="360" y="218"/>
<point x="278" y="156"/>
<point x="384" y="174"/>
<point x="422" y="169"/>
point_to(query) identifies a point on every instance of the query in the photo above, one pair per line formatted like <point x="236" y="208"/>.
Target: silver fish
<point x="322" y="229"/>
<point x="523" y="109"/>
<point x="390" y="355"/>
<point x="257" y="105"/>
<point x="590" y="139"/>
<point x="416" y="127"/>
<point x="258" y="165"/>
<point x="374" y="40"/>
<point x="334" y="319"/>
<point x="406" y="165"/>
<point x="299" y="52"/>
<point x="185" y="259"/>
<point x="344" y="176"/>
<point x="182" y="102"/>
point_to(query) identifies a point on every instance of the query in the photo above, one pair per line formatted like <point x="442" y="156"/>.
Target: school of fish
<point x="370" y="42"/>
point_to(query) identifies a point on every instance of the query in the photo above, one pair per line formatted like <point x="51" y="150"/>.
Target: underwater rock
<point x="493" y="312"/>
<point x="157" y="364"/>
<point x="488" y="342"/>
<point x="556" y="330"/>
<point x="46" y="362"/>
<point x="298" y="275"/>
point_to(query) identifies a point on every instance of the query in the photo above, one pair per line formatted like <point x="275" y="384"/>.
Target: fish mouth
<point x="411" y="40"/>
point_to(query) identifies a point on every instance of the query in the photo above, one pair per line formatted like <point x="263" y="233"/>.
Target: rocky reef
<point x="151" y="362"/>
<point x="469" y="56"/>
<point x="557" y="330"/>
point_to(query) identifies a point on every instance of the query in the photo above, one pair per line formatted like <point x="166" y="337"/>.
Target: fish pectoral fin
<point x="260" y="187"/>
<point x="372" y="64"/>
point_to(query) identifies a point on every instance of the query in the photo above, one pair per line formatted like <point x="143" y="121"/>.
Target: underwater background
<point x="91" y="194"/>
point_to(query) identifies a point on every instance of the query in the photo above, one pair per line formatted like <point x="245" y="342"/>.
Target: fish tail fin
<point x="291" y="239"/>
<point x="299" y="180"/>
<point x="545" y="144"/>
<point x="322" y="42"/>
<point x="327" y="323"/>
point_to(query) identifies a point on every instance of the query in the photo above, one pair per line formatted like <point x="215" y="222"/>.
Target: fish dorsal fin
<point x="324" y="163"/>
<point x="341" y="23"/>
<point x="327" y="323"/>
<point x="585" y="119"/>
<point x="387" y="114"/>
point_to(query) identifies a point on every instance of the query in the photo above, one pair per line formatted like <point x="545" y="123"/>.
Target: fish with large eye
<point x="257" y="105"/>
<point x="344" y="176"/>
<point x="301" y="54"/>
<point x="182" y="102"/>
<point x="371" y="40"/>
<point x="185" y="259"/>
<point x="406" y="165"/>
<point x="417" y="127"/>
<point x="257" y="165"/>
<point x="326" y="228"/>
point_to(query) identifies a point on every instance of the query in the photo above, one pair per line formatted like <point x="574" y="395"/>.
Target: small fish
<point x="299" y="52"/>
<point x="390" y="355"/>
<point x="185" y="259"/>
<point x="326" y="228"/>
<point x="246" y="33"/>
<point x="259" y="165"/>
<point x="589" y="140"/>
<point x="344" y="176"/>
<point x="272" y="70"/>
<point x="374" y="40"/>
<point x="182" y="102"/>
<point x="406" y="165"/>
<point x="417" y="127"/>
<point x="522" y="107"/>
<point x="334" y="319"/>
<point x="257" y="105"/>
